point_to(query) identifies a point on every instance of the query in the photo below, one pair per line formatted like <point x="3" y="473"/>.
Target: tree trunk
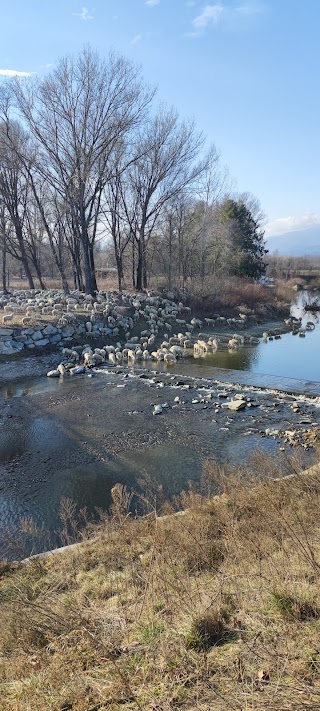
<point x="119" y="270"/>
<point x="139" y="280"/>
<point x="76" y="258"/>
<point x="64" y="281"/>
<point x="37" y="267"/>
<point x="93" y="269"/>
<point x="133" y="264"/>
<point x="4" y="265"/>
<point x="27" y="271"/>
<point x="144" y="269"/>
<point x="87" y="270"/>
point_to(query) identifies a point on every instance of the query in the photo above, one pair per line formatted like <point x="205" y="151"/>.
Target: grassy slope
<point x="215" y="608"/>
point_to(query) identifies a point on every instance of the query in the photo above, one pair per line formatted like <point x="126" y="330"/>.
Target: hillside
<point x="217" y="608"/>
<point x="296" y="244"/>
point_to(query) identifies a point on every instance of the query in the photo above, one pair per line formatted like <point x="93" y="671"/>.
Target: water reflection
<point x="299" y="308"/>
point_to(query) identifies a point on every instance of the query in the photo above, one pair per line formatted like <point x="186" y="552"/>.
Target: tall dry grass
<point x="216" y="607"/>
<point x="230" y="295"/>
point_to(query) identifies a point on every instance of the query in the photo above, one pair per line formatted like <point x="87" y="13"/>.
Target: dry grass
<point x="215" y="608"/>
<point x="229" y="296"/>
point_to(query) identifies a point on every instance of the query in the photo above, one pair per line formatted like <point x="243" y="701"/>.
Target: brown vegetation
<point x="216" y="607"/>
<point x="230" y="295"/>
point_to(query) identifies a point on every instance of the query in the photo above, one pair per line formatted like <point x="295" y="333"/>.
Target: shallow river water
<point x="76" y="438"/>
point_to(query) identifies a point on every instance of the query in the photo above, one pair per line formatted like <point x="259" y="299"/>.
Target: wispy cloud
<point x="210" y="15"/>
<point x="281" y="225"/>
<point x="84" y="14"/>
<point x="229" y="15"/>
<point x="136" y="39"/>
<point x="13" y="73"/>
<point x="152" y="3"/>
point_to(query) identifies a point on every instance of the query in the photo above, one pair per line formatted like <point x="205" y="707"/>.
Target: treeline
<point x="282" y="266"/>
<point x="87" y="160"/>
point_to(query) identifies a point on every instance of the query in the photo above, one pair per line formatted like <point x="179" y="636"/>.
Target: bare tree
<point x="77" y="115"/>
<point x="15" y="193"/>
<point x="114" y="211"/>
<point x="168" y="164"/>
<point x="3" y="246"/>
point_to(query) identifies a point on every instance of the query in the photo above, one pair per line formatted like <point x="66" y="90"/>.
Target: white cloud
<point x="13" y="73"/>
<point x="210" y="15"/>
<point x="84" y="14"/>
<point x="152" y="3"/>
<point x="136" y="39"/>
<point x="281" y="225"/>
<point x="218" y="14"/>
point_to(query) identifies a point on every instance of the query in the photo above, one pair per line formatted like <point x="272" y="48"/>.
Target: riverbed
<point x="76" y="437"/>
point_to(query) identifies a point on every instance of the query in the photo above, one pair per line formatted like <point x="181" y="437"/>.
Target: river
<point x="76" y="438"/>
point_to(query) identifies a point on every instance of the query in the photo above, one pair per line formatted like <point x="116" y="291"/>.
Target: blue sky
<point x="246" y="70"/>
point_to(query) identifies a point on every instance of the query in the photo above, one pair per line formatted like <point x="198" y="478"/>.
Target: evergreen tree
<point x="247" y="239"/>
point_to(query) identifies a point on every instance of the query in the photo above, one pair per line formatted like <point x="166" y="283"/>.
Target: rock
<point x="6" y="331"/>
<point x="157" y="410"/>
<point x="49" y="330"/>
<point x="77" y="370"/>
<point x="15" y="345"/>
<point x="236" y="405"/>
<point x="6" y="350"/>
<point x="53" y="374"/>
<point x="67" y="331"/>
<point x="37" y="336"/>
<point x="56" y="338"/>
<point x="42" y="342"/>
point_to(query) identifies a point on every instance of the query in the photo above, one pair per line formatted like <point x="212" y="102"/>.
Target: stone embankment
<point x="14" y="340"/>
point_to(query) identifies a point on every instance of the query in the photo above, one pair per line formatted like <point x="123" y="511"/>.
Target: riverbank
<point x="216" y="608"/>
<point x="75" y="437"/>
<point x="145" y="429"/>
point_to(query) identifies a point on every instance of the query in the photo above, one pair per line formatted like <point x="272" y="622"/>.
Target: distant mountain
<point x="296" y="244"/>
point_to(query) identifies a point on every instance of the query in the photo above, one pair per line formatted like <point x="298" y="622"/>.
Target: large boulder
<point x="37" y="336"/>
<point x="67" y="331"/>
<point x="49" y="330"/>
<point x="5" y="349"/>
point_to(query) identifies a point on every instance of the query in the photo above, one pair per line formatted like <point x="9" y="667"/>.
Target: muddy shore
<point x="96" y="431"/>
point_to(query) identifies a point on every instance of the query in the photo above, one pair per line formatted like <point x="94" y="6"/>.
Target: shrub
<point x="209" y="630"/>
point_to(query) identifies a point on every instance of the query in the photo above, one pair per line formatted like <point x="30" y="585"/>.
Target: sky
<point x="247" y="71"/>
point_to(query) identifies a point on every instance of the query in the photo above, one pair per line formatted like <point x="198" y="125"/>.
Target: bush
<point x="209" y="630"/>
